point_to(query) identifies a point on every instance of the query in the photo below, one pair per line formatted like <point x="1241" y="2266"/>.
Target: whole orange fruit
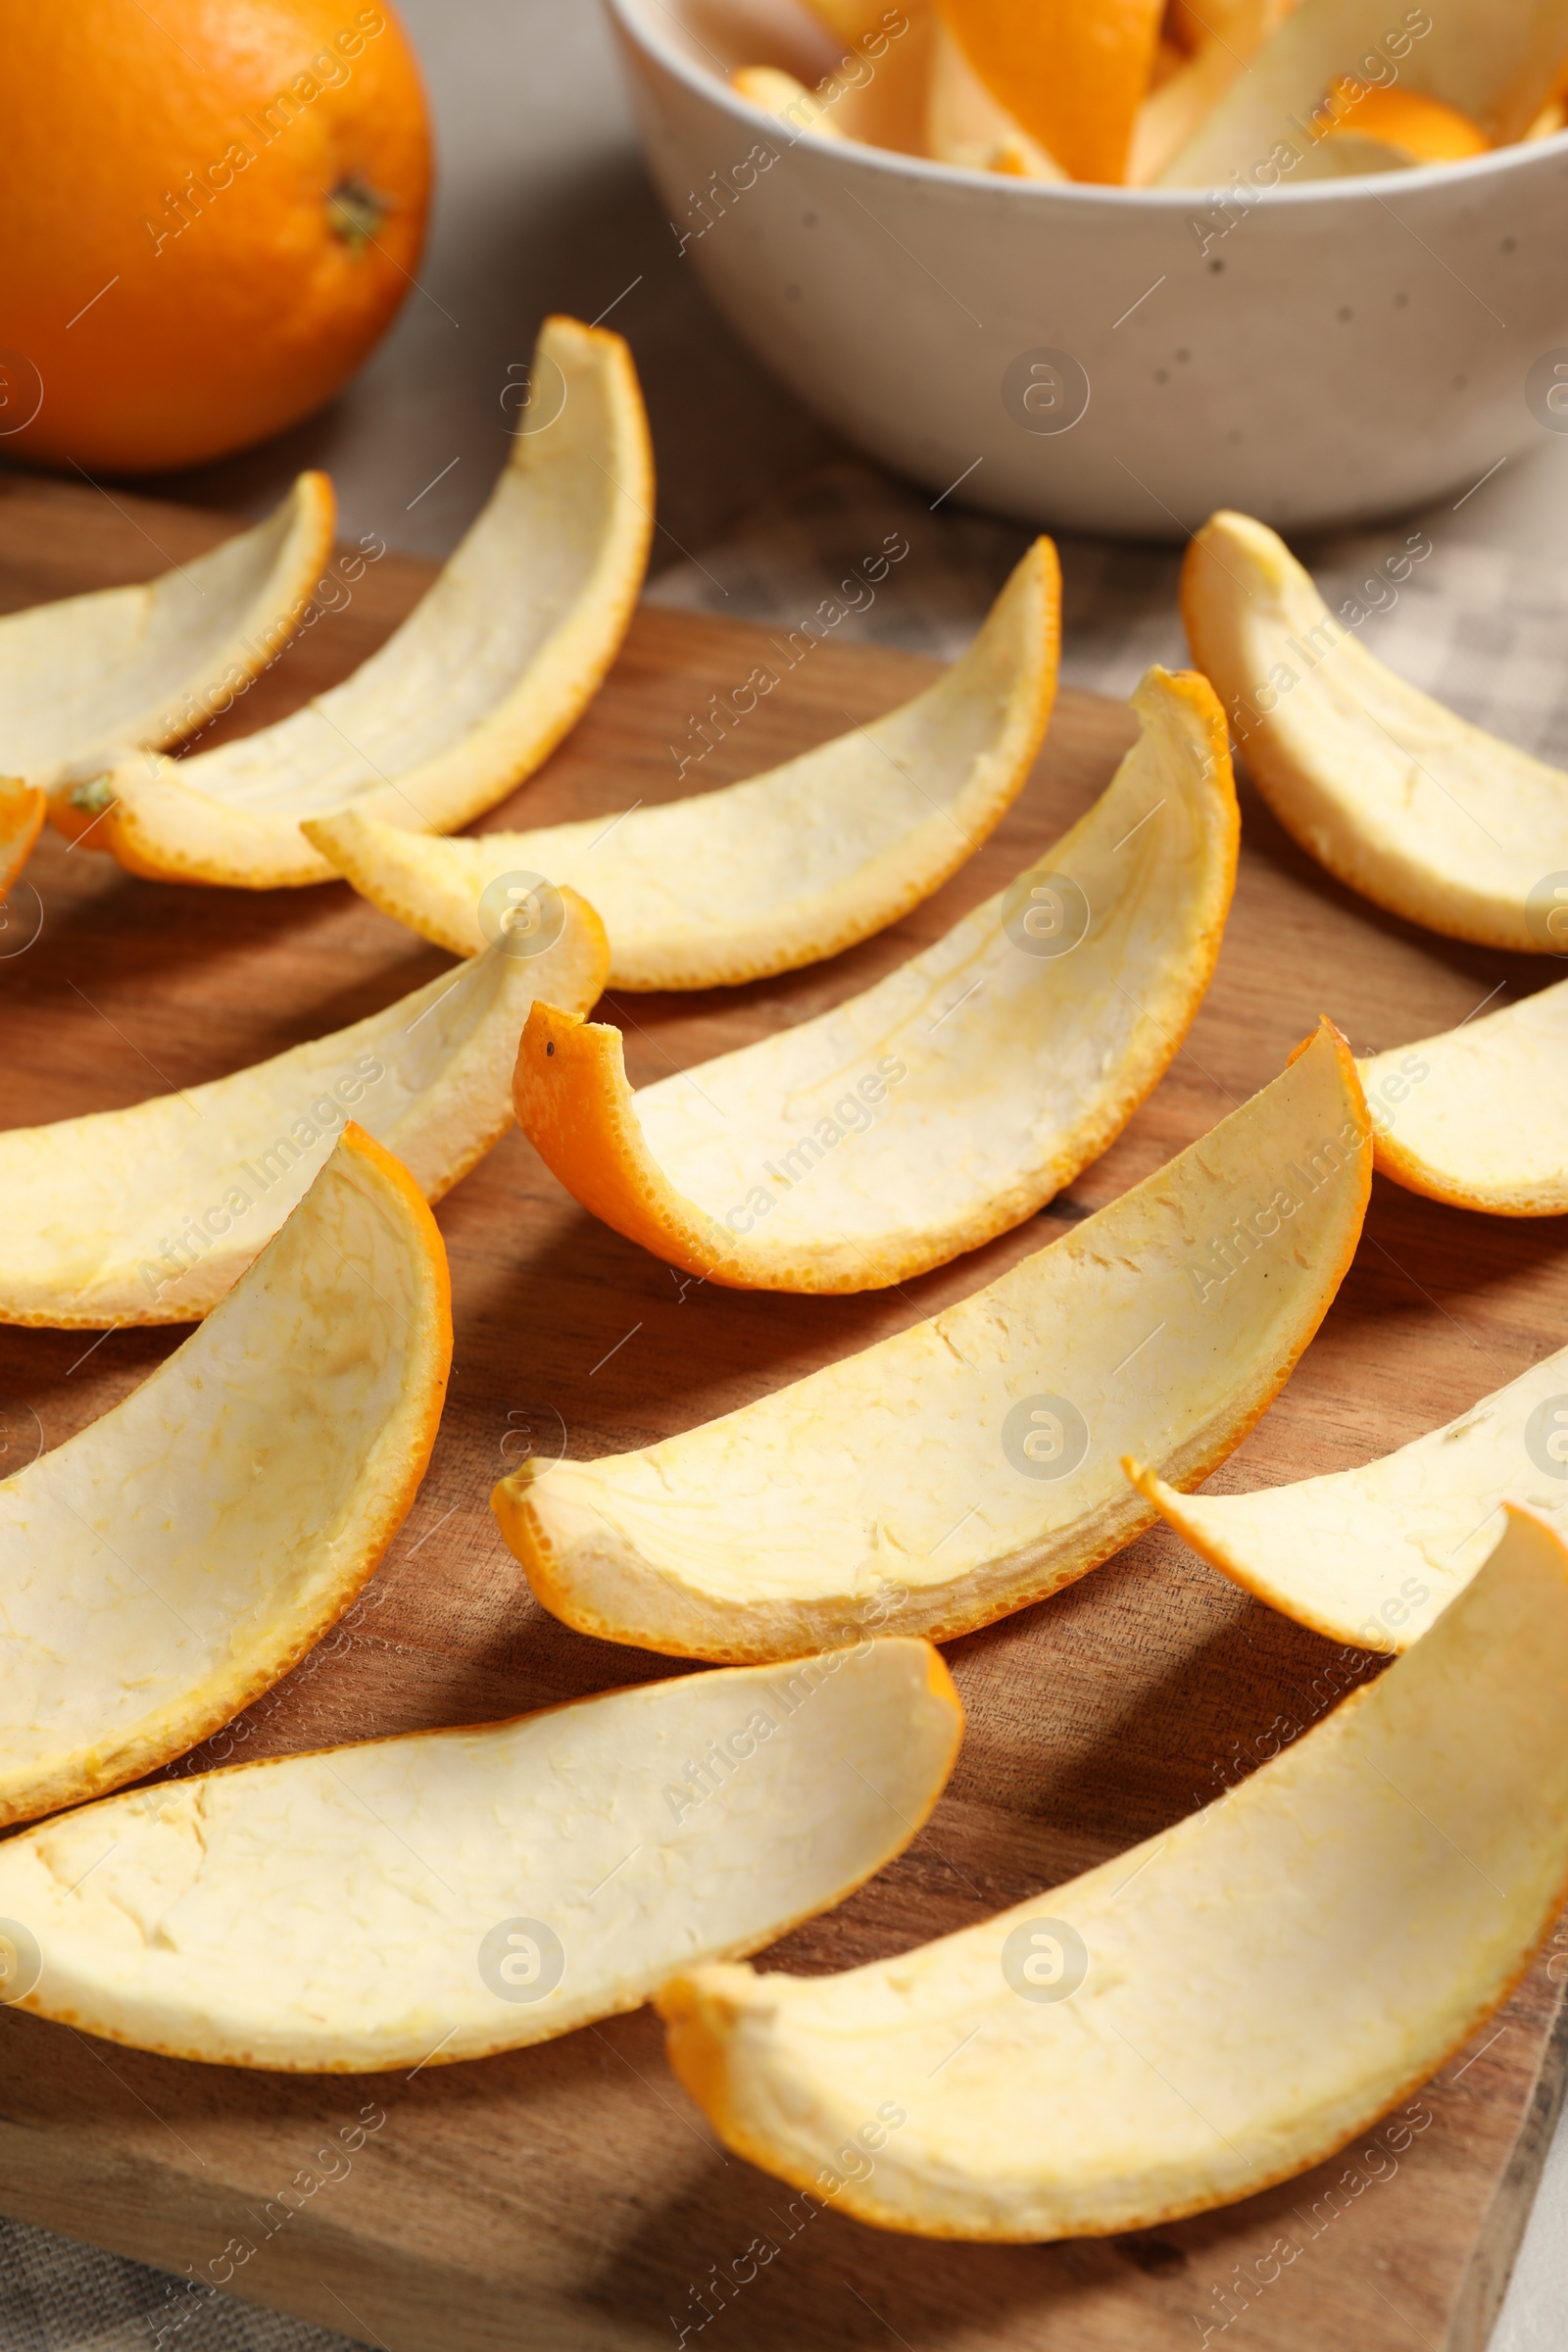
<point x="212" y="209"/>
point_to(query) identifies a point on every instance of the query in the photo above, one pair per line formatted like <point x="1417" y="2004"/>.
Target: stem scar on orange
<point x="214" y="209"/>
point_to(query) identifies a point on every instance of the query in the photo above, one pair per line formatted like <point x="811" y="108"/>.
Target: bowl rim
<point x="1091" y="195"/>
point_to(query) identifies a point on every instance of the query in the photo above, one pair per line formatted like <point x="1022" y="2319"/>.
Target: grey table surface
<point x="543" y="205"/>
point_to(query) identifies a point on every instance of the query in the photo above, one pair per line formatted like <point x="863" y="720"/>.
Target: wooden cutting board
<point x="570" y="2196"/>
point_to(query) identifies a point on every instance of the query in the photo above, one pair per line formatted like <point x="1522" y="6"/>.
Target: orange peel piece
<point x="948" y="1103"/>
<point x="151" y="1215"/>
<point x="1499" y="65"/>
<point x="1414" y="127"/>
<point x="1374" y="1555"/>
<point x="966" y="126"/>
<point x="21" y="815"/>
<point x="1400" y="800"/>
<point x="969" y="1466"/>
<point x="1478" y="1115"/>
<point x="389" y="1876"/>
<point x="851" y="19"/>
<point x="494" y="666"/>
<point x="791" y="865"/>
<point x="167" y="1565"/>
<point x="1209" y="2013"/>
<point x="787" y="100"/>
<point x="94" y="676"/>
<point x="1073" y="72"/>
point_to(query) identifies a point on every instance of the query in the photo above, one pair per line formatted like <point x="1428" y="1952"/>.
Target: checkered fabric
<point x="1484" y="631"/>
<point x="58" y="2296"/>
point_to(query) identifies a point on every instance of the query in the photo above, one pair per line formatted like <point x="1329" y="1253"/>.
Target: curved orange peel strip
<point x="724" y="1808"/>
<point x="1412" y="806"/>
<point x="94" y="677"/>
<point x="1374" y="1555"/>
<point x="151" y="1215"/>
<point x="1417" y="128"/>
<point x="494" y="666"/>
<point x="969" y="1466"/>
<point x="169" y="1564"/>
<point x="21" y="815"/>
<point x="791" y="865"/>
<point x="948" y="1103"/>
<point x="1209" y="2013"/>
<point x="1479" y="1115"/>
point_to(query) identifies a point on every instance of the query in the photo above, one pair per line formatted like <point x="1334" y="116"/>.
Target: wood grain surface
<point x="570" y="2196"/>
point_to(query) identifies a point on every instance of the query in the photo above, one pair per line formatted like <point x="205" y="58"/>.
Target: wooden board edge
<point x="1503" y="2229"/>
<point x="106" y="2209"/>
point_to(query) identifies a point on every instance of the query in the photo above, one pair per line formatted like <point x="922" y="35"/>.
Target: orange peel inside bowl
<point x="1208" y="2013"/>
<point x="1240" y="24"/>
<point x="167" y="1565"/>
<point x="969" y="1466"/>
<point x="493" y="667"/>
<point x="851" y="19"/>
<point x="1171" y="115"/>
<point x="151" y="1215"/>
<point x="1478" y="1116"/>
<point x="1373" y="1557"/>
<point x="389" y="1874"/>
<point x="1335" y="87"/>
<point x="94" y="676"/>
<point x="1399" y="798"/>
<point x="966" y="126"/>
<point x="787" y="100"/>
<point x="791" y="865"/>
<point x="1414" y="128"/>
<point x="1073" y="72"/>
<point x="950" y="1100"/>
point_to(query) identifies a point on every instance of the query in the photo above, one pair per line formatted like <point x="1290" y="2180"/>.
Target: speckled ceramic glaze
<point x="1119" y="360"/>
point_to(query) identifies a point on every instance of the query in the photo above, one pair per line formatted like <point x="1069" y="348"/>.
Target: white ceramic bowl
<point x="1346" y="348"/>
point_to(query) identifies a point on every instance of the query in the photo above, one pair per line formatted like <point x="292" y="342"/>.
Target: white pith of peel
<point x="90" y="677"/>
<point x="1499" y="65"/>
<point x="1373" y="1556"/>
<point x="163" y="1567"/>
<point x="772" y="1531"/>
<point x="966" y="126"/>
<point x="329" y="1912"/>
<point x="950" y="1100"/>
<point x="151" y="1215"/>
<point x="787" y="100"/>
<point x="493" y="667"/>
<point x="1258" y="1984"/>
<point x="1403" y="801"/>
<point x="1478" y="1116"/>
<point x="791" y="865"/>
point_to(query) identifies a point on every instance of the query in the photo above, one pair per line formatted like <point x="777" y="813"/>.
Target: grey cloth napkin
<point x="1483" y="629"/>
<point x="58" y="2296"/>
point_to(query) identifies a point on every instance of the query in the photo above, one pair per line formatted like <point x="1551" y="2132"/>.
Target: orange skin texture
<point x="22" y="812"/>
<point x="224" y="330"/>
<point x="1425" y="127"/>
<point x="1073" y="72"/>
<point x="583" y="1127"/>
